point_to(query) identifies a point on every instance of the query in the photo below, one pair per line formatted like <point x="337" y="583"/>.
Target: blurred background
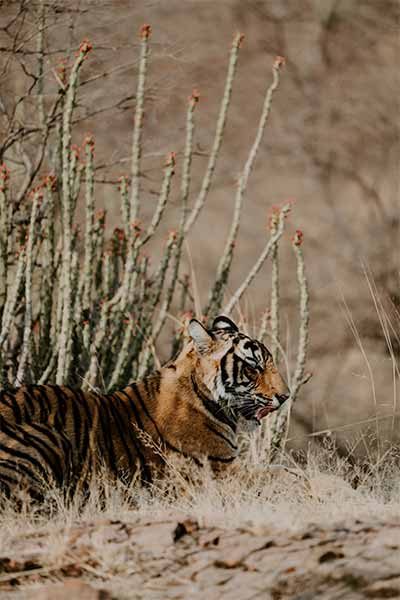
<point x="332" y="144"/>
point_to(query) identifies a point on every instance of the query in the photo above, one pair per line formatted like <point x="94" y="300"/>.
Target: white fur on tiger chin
<point x="247" y="425"/>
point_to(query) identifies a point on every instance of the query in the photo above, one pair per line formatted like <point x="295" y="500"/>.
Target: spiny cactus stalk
<point x="280" y="421"/>
<point x="86" y="307"/>
<point x="216" y="294"/>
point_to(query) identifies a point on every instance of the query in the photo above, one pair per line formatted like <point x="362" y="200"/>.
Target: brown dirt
<point x="178" y="558"/>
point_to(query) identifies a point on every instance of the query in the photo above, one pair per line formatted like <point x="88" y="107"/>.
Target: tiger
<point x="221" y="382"/>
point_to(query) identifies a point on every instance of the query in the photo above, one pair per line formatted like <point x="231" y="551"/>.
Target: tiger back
<point x="194" y="406"/>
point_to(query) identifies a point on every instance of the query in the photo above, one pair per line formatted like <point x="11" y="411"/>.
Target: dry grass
<point x="318" y="488"/>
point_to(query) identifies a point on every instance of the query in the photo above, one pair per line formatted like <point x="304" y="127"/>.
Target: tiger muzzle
<point x="273" y="404"/>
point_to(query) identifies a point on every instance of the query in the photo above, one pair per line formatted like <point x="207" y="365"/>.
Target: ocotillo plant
<point x="85" y="308"/>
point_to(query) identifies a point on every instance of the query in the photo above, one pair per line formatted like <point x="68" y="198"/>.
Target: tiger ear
<point x="200" y="336"/>
<point x="224" y="323"/>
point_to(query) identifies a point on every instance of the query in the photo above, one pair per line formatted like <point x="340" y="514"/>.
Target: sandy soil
<point x="181" y="558"/>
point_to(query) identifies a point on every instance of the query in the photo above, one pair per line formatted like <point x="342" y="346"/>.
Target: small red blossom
<point x="119" y="234"/>
<point x="172" y="235"/>
<point x="88" y="141"/>
<point x="122" y="182"/>
<point x="50" y="182"/>
<point x="273" y="216"/>
<point x="297" y="238"/>
<point x="291" y="201"/>
<point x="85" y="47"/>
<point x="130" y="320"/>
<point x="4" y="174"/>
<point x="279" y="62"/>
<point x="145" y="31"/>
<point x="136" y="226"/>
<point x="170" y="159"/>
<point x="75" y="150"/>
<point x="100" y="217"/>
<point x="194" y="97"/>
<point x="38" y="190"/>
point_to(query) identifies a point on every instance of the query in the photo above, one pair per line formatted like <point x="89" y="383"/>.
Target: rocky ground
<point x="178" y="558"/>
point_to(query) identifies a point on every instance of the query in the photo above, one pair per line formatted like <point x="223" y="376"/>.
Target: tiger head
<point x="238" y="371"/>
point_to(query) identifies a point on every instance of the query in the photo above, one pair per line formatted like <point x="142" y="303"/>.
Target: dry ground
<point x="323" y="530"/>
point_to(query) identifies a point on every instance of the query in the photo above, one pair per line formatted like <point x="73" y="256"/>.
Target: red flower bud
<point x="145" y="31"/>
<point x="88" y="141"/>
<point x="4" y="173"/>
<point x="85" y="47"/>
<point x="170" y="159"/>
<point x="297" y="238"/>
<point x="279" y="62"/>
<point x="195" y="96"/>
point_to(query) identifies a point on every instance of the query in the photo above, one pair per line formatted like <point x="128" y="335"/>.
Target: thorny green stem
<point x="219" y="133"/>
<point x="123" y="186"/>
<point x="66" y="325"/>
<point x="12" y="298"/>
<point x="274" y="239"/>
<point x="226" y="259"/>
<point x="187" y="159"/>
<point x="28" y="291"/>
<point x="282" y="419"/>
<point x="274" y="292"/>
<point x="159" y="323"/>
<point x="89" y="237"/>
<point x="40" y="72"/>
<point x="48" y="271"/>
<point x="162" y="199"/>
<point x="145" y="33"/>
<point x="4" y="231"/>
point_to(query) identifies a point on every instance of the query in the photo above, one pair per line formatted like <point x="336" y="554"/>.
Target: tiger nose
<point x="282" y="398"/>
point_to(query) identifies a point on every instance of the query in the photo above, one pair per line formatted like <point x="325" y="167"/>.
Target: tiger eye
<point x="250" y="372"/>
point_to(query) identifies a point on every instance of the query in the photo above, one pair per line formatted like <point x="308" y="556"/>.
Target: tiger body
<point x="192" y="406"/>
